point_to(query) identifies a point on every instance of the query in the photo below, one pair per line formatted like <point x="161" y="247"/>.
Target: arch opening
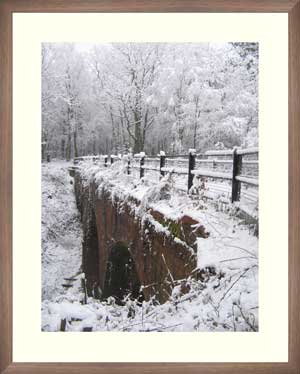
<point x="121" y="277"/>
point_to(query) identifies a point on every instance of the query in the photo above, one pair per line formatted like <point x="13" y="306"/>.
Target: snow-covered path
<point x="61" y="232"/>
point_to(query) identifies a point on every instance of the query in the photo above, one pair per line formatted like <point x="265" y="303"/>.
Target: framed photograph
<point x="149" y="186"/>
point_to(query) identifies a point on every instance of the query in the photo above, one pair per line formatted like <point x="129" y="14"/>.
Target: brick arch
<point x="121" y="277"/>
<point x="158" y="257"/>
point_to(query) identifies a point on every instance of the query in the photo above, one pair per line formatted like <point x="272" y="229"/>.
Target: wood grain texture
<point x="151" y="5"/>
<point x="143" y="368"/>
<point x="294" y="186"/>
<point x="6" y="8"/>
<point x="5" y="189"/>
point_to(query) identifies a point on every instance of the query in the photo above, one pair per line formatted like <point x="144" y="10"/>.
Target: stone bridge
<point x="124" y="253"/>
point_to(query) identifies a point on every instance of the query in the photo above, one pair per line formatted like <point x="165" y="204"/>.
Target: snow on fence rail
<point x="186" y="165"/>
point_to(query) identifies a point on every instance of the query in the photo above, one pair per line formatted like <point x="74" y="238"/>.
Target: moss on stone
<point x="174" y="228"/>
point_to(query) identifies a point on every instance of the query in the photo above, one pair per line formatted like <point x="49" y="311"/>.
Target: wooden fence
<point x="228" y="165"/>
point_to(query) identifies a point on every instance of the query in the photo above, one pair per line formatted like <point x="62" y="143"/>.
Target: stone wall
<point x="160" y="256"/>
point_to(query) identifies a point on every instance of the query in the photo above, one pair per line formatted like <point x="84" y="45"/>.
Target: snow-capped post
<point x="236" y="170"/>
<point x="192" y="164"/>
<point x="105" y="161"/>
<point x="111" y="159"/>
<point x="162" y="163"/>
<point x="142" y="162"/>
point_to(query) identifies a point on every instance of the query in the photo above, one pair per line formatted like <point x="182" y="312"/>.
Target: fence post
<point x="192" y="164"/>
<point x="105" y="161"/>
<point x="63" y="324"/>
<point x="111" y="159"/>
<point x="162" y="163"/>
<point x="142" y="162"/>
<point x="128" y="166"/>
<point x="236" y="170"/>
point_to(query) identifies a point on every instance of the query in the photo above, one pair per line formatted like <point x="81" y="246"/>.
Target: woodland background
<point x="133" y="97"/>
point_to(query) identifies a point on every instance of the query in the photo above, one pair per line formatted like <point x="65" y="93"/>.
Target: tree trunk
<point x="113" y="128"/>
<point x="195" y="135"/>
<point x="94" y="146"/>
<point x="43" y="152"/>
<point x="63" y="145"/>
<point x="197" y="115"/>
<point x="68" y="149"/>
<point x="138" y="144"/>
<point x="123" y="138"/>
<point x="75" y="143"/>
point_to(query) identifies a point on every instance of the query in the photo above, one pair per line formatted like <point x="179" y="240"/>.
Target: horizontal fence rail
<point x="237" y="166"/>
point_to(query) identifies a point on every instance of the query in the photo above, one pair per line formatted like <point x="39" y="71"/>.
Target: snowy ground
<point x="61" y="231"/>
<point x="225" y="300"/>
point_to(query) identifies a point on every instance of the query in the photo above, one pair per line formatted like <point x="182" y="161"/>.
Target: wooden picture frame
<point x="7" y="8"/>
